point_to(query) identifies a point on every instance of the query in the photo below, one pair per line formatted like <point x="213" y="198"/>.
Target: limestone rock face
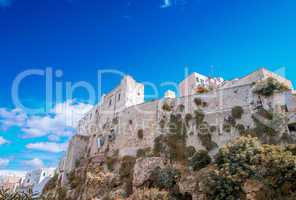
<point x="144" y="168"/>
<point x="187" y="184"/>
<point x="255" y="190"/>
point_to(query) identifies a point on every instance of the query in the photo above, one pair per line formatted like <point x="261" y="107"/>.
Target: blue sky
<point x="153" y="40"/>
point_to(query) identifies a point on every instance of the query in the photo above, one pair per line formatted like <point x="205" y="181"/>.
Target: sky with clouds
<point x="153" y="40"/>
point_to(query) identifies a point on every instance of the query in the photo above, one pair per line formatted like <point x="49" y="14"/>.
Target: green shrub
<point x="166" y="107"/>
<point x="199" y="160"/>
<point x="198" y="101"/>
<point x="190" y="151"/>
<point x="227" y="127"/>
<point x="261" y="129"/>
<point x="126" y="173"/>
<point x="269" y="86"/>
<point x="181" y="108"/>
<point x="149" y="194"/>
<point x="165" y="178"/>
<point x="162" y="123"/>
<point x="127" y="165"/>
<point x="237" y="112"/>
<point x="62" y="193"/>
<point x="240" y="127"/>
<point x="51" y="184"/>
<point x="272" y="165"/>
<point x="217" y="187"/>
<point x="204" y="104"/>
<point x="176" y="125"/>
<point x="115" y="120"/>
<point x="144" y="152"/>
<point x="199" y="116"/>
<point x="110" y="162"/>
<point x="291" y="148"/>
<point x="188" y="118"/>
<point x="206" y="141"/>
<point x="6" y="194"/>
<point x="74" y="179"/>
<point x="172" y="146"/>
<point x="140" y="134"/>
<point x="213" y="129"/>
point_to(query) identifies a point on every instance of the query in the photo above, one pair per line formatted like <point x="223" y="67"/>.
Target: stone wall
<point x="76" y="151"/>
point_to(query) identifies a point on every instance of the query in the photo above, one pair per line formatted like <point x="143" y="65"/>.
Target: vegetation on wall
<point x="181" y="108"/>
<point x="5" y="194"/>
<point x="237" y="112"/>
<point x="199" y="116"/>
<point x="247" y="159"/>
<point x="149" y="194"/>
<point x="188" y="118"/>
<point x="51" y="184"/>
<point x="199" y="160"/>
<point x="199" y="102"/>
<point x="126" y="173"/>
<point x="171" y="146"/>
<point x="165" y="178"/>
<point x="269" y="86"/>
<point x="166" y="107"/>
<point x="146" y="152"/>
<point x="74" y="179"/>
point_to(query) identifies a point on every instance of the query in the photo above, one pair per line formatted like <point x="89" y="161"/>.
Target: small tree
<point x="199" y="160"/>
<point x="237" y="112"/>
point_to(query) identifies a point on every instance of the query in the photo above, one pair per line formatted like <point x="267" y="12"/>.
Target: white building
<point x="190" y="85"/>
<point x="10" y="182"/>
<point x="34" y="181"/>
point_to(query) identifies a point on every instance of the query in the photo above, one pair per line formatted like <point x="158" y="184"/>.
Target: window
<point x="119" y="97"/>
<point x="202" y="82"/>
<point x="197" y="79"/>
<point x="292" y="127"/>
<point x="110" y="102"/>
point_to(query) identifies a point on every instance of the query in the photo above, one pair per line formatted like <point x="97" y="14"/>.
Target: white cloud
<point x="35" y="163"/>
<point x="60" y="121"/>
<point x="3" y="141"/>
<point x="48" y="146"/>
<point x="166" y="4"/>
<point x="10" y="118"/>
<point x="5" y="3"/>
<point x="12" y="173"/>
<point x="3" y="162"/>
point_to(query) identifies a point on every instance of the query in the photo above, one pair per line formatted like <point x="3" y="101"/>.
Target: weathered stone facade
<point x="123" y="123"/>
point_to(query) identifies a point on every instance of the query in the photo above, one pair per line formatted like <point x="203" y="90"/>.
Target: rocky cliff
<point x="235" y="142"/>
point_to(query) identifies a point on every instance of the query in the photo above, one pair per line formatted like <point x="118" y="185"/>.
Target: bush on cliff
<point x="149" y="194"/>
<point x="245" y="159"/>
<point x="165" y="178"/>
<point x="269" y="86"/>
<point x="126" y="173"/>
<point x="237" y="112"/>
<point x="199" y="160"/>
<point x="51" y="184"/>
